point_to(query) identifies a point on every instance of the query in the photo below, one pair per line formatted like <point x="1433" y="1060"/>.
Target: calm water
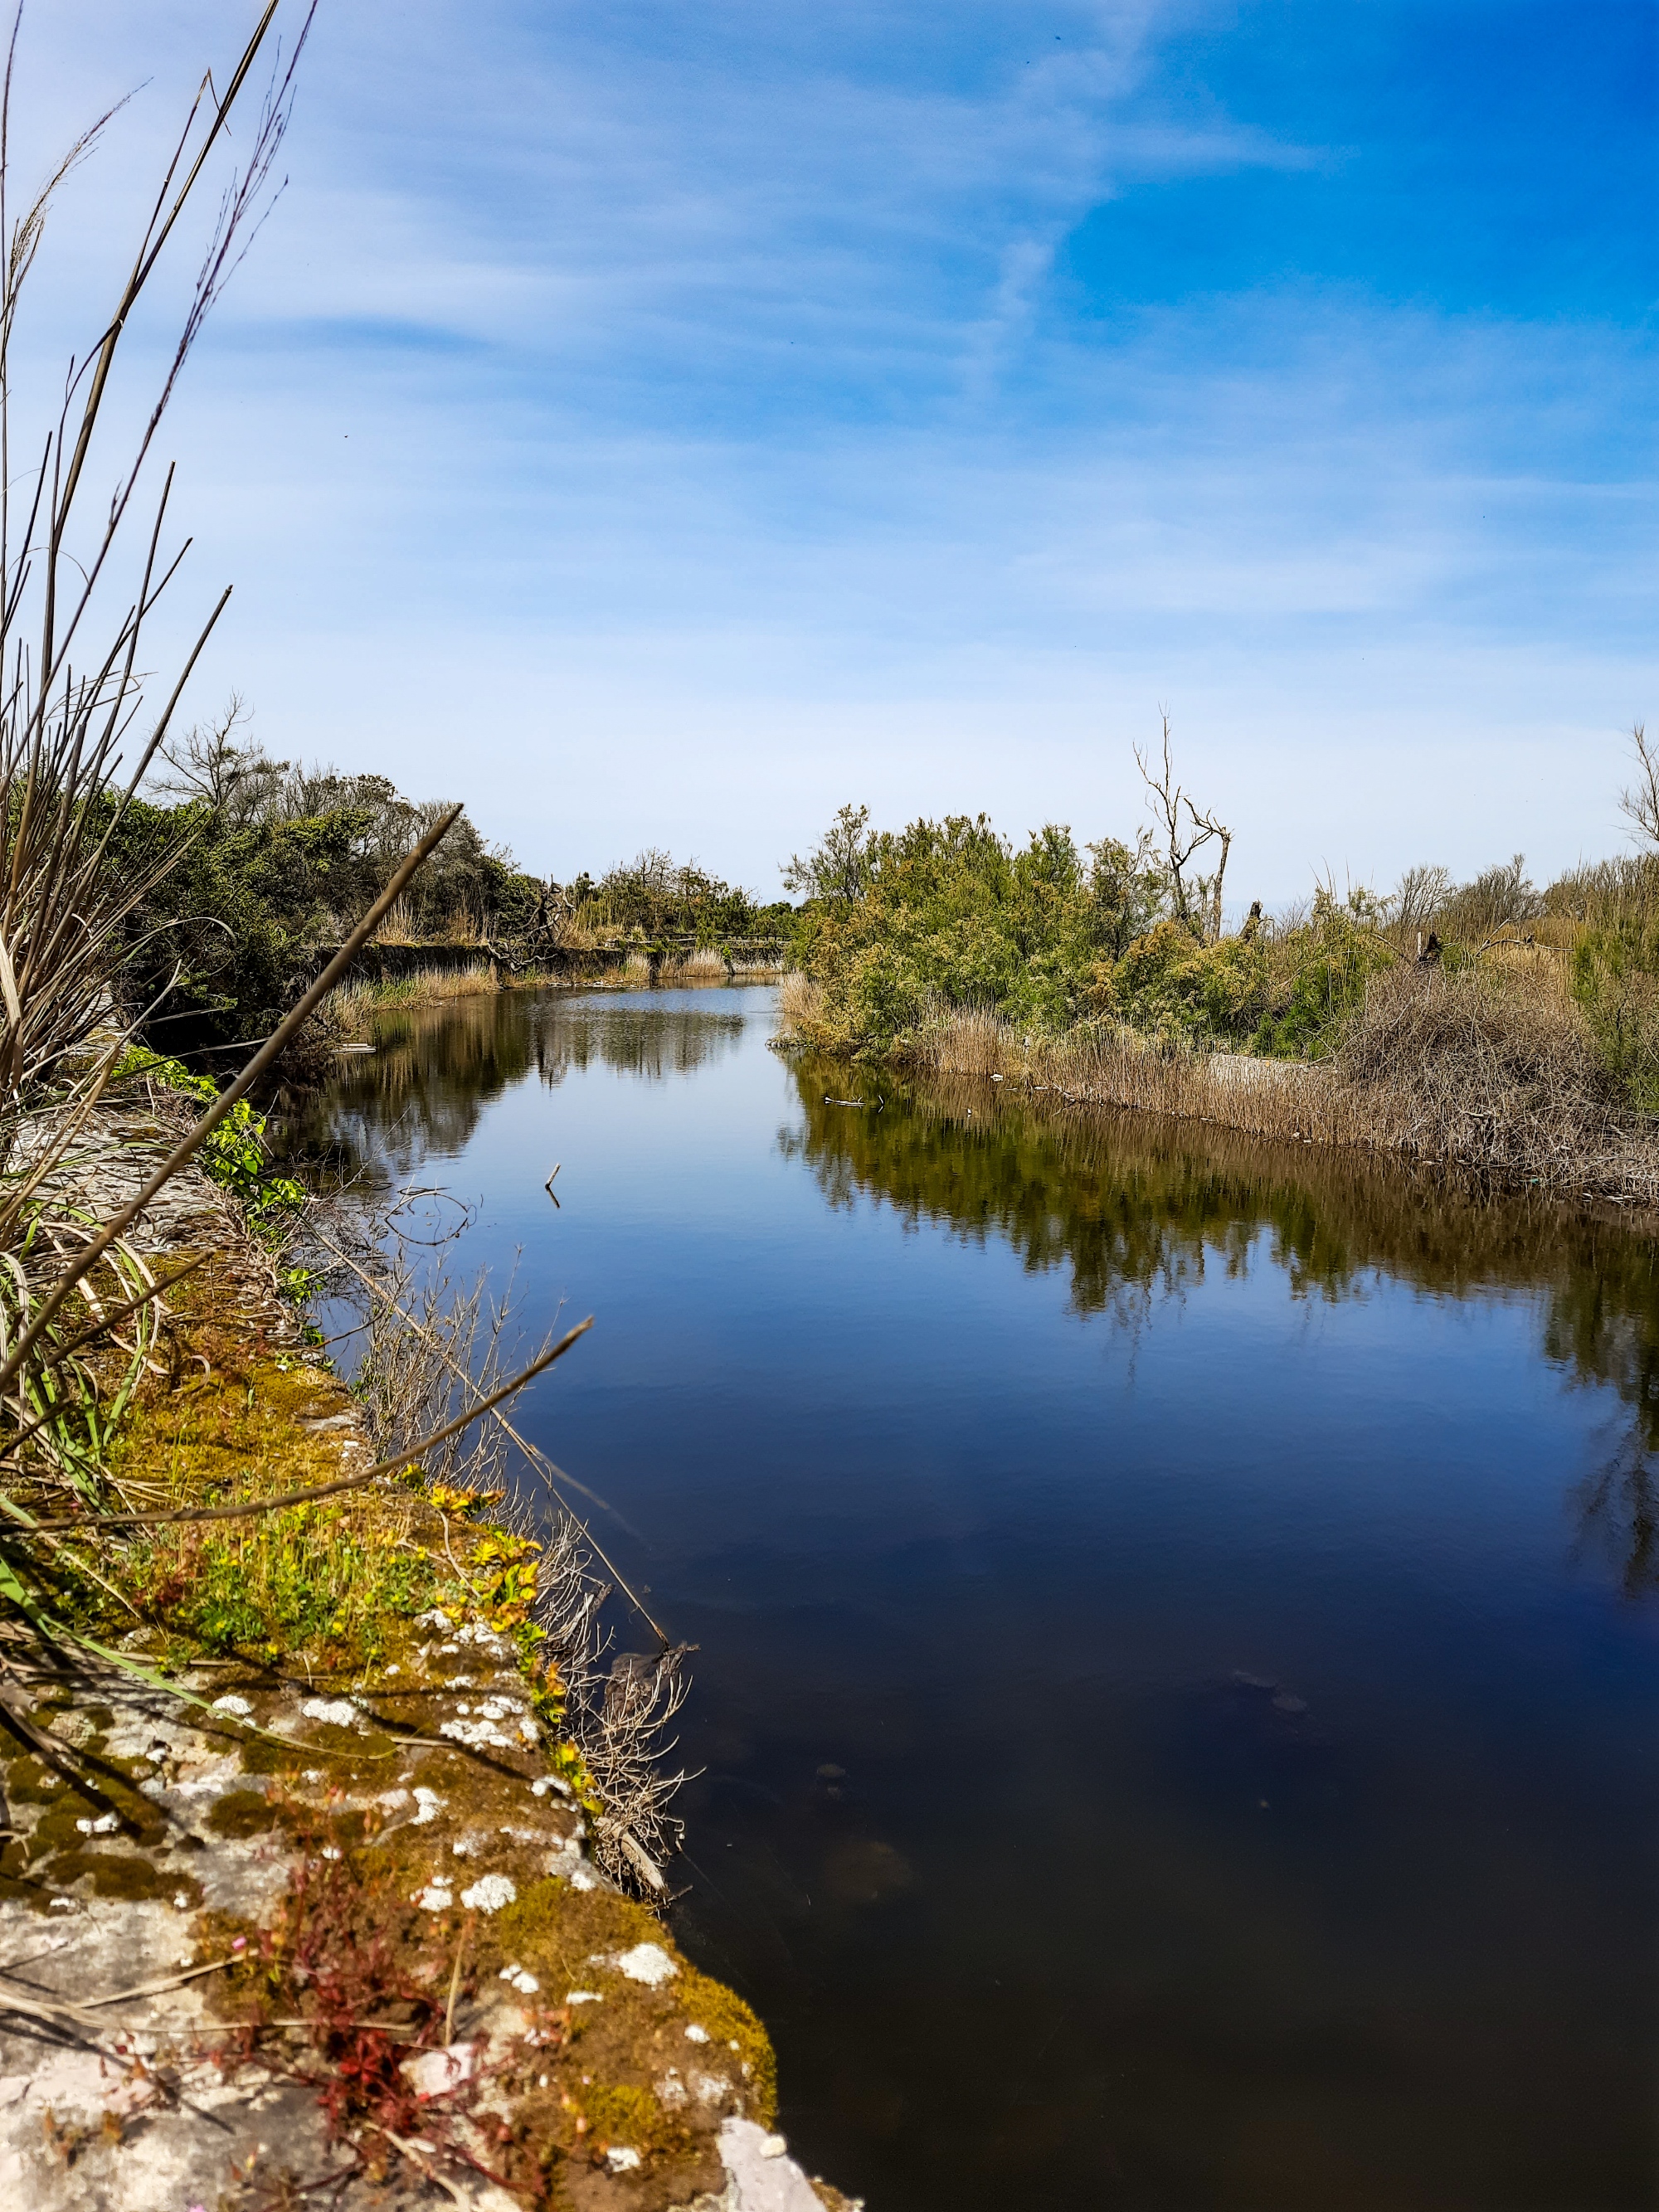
<point x="1177" y="1680"/>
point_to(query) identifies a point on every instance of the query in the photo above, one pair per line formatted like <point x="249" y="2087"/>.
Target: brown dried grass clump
<point x="800" y="1008"/>
<point x="969" y="1041"/>
<point x="1492" y="1069"/>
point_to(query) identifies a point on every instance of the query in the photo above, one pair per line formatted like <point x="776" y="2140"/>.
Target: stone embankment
<point x="273" y="1932"/>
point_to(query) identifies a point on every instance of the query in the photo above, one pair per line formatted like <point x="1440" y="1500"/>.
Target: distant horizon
<point x="661" y="429"/>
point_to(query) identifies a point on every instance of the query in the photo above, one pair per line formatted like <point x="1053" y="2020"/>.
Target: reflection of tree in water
<point x="1135" y="1207"/>
<point x="634" y="1035"/>
<point x="1617" y="1510"/>
<point x="433" y="1069"/>
<point x="420" y="1091"/>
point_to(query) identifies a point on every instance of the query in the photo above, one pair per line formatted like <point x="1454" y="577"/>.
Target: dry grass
<point x="352" y="1011"/>
<point x="398" y="927"/>
<point x="707" y="965"/>
<point x="800" y="1004"/>
<point x="1494" y="1070"/>
<point x="704" y="965"/>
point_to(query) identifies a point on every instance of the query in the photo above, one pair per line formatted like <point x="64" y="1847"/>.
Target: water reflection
<point x="1133" y="1208"/>
<point x="434" y="1071"/>
<point x="654" y="1040"/>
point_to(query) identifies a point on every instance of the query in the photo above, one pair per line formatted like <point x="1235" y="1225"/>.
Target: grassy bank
<point x="1491" y="1073"/>
<point x="1508" y="1033"/>
<point x="332" y="1655"/>
<point x="352" y="1012"/>
<point x="439" y="1880"/>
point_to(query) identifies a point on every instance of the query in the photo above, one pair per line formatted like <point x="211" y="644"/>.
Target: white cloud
<point x="664" y="441"/>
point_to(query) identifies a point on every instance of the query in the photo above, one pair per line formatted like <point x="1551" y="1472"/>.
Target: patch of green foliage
<point x="235" y="1157"/>
<point x="901" y="929"/>
<point x="1615" y="982"/>
<point x="1286" y="995"/>
<point x="655" y="898"/>
<point x="270" y="864"/>
<point x="1315" y="977"/>
<point x="950" y="916"/>
<point x="303" y="1580"/>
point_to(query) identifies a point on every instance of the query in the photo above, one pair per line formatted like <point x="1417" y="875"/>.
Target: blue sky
<point x="660" y="424"/>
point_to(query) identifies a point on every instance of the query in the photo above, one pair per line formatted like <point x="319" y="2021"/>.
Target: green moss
<point x="555" y="1927"/>
<point x="31" y="1782"/>
<point x="261" y="1755"/>
<point x="618" y="2114"/>
<point x="243" y="1813"/>
<point x="120" y="1874"/>
<point x="328" y="1581"/>
<point x="710" y="2004"/>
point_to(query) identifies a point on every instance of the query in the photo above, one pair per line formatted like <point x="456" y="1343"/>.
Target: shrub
<point x="1317" y="978"/>
<point x="1494" y="1067"/>
<point x="1616" y="987"/>
<point x="235" y="1154"/>
<point x="949" y="916"/>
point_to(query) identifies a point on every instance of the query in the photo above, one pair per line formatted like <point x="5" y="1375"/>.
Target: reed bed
<point x="703" y="965"/>
<point x="353" y="1010"/>
<point x="708" y="965"/>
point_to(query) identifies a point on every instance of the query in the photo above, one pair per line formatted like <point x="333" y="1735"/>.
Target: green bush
<point x="1615" y="981"/>
<point x="947" y="915"/>
<point x="1170" y="984"/>
<point x="235" y="1154"/>
<point x="1318" y="976"/>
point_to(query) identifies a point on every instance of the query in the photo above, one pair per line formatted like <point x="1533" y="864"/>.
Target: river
<point x="1175" y="1689"/>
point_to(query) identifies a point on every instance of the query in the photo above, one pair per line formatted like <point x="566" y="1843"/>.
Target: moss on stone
<point x="243" y="1813"/>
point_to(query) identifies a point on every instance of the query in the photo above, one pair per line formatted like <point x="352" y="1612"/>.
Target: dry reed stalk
<point x="702" y="966"/>
<point x="1271" y="1098"/>
<point x="72" y="632"/>
<point x="800" y="1008"/>
<point x="354" y="1008"/>
<point x="398" y="927"/>
<point x="69" y="697"/>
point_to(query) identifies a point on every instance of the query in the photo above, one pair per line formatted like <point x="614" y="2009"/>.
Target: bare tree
<point x="1500" y="898"/>
<point x="236" y="776"/>
<point x="1416" y="902"/>
<point x="1639" y="802"/>
<point x="1197" y="903"/>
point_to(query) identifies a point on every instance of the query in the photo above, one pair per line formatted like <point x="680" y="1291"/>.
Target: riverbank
<point x="352" y="1012"/>
<point x="307" y="1879"/>
<point x="1489" y="1073"/>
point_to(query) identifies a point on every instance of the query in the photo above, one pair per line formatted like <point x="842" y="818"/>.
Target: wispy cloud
<point x="665" y="427"/>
